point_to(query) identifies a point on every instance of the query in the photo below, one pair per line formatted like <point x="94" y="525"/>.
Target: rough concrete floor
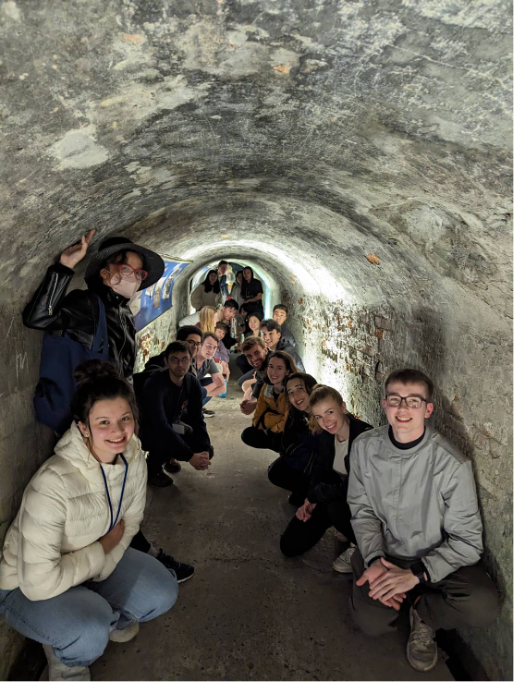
<point x="248" y="613"/>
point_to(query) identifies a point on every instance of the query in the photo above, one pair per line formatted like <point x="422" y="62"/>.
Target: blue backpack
<point x="60" y="356"/>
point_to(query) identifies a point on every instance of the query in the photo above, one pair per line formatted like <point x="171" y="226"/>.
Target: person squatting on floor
<point x="172" y="423"/>
<point x="114" y="274"/>
<point x="297" y="444"/>
<point x="272" y="335"/>
<point x="68" y="576"/>
<point x="272" y="408"/>
<point x="326" y="504"/>
<point x="418" y="527"/>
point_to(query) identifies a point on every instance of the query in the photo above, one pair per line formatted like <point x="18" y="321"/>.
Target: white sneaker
<point x="57" y="670"/>
<point x="126" y="634"/>
<point x="343" y="563"/>
<point x="421" y="647"/>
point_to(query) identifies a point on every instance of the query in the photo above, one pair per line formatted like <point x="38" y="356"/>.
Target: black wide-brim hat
<point x="153" y="263"/>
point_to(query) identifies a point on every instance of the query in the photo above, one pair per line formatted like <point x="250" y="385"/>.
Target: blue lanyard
<point x="114" y="521"/>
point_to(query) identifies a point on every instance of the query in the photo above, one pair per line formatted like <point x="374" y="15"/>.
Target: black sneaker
<point x="171" y="467"/>
<point x="208" y="413"/>
<point x="183" y="571"/>
<point x="159" y="479"/>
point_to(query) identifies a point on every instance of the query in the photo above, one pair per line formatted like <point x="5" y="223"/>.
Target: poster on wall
<point x="150" y="303"/>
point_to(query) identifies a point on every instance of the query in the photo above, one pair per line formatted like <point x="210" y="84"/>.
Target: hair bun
<point x="94" y="370"/>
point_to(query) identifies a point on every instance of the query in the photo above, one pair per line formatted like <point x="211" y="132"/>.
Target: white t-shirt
<point x="341" y="450"/>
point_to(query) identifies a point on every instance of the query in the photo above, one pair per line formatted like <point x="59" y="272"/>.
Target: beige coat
<point x="52" y="544"/>
<point x="199" y="298"/>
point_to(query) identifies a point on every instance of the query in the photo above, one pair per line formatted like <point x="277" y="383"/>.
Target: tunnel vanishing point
<point x="356" y="151"/>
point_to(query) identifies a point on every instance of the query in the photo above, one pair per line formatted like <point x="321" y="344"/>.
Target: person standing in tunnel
<point x="252" y="292"/>
<point x="115" y="272"/>
<point x="418" y="526"/>
<point x="207" y="292"/>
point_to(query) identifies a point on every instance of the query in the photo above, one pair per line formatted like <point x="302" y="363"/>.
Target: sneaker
<point x="171" y="467"/>
<point x="126" y="634"/>
<point x="421" y="647"/>
<point x="57" y="670"/>
<point x="160" y="479"/>
<point x="208" y="413"/>
<point x="182" y="571"/>
<point x="343" y="563"/>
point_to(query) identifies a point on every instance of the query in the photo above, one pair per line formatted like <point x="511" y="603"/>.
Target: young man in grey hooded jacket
<point x="417" y="523"/>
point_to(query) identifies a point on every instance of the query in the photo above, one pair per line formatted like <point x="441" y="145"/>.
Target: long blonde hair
<point x="207" y="323"/>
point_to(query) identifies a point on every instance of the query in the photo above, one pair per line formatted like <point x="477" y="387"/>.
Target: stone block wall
<point x="357" y="347"/>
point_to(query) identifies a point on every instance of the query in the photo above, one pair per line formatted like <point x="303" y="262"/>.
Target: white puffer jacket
<point x="52" y="544"/>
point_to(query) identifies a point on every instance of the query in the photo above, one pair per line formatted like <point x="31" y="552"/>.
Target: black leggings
<point x="257" y="438"/>
<point x="300" y="536"/>
<point x="284" y="476"/>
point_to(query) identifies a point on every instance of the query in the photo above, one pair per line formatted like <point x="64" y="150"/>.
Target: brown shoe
<point x="172" y="467"/>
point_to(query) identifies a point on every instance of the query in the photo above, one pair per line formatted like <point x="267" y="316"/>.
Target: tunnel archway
<point x="357" y="152"/>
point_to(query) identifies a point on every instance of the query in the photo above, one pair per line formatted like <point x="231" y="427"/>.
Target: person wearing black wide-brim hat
<point x="116" y="271"/>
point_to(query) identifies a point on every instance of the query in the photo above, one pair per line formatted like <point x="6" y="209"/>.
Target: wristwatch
<point x="420" y="571"/>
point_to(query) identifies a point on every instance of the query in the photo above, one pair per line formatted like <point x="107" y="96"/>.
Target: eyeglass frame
<point x="405" y="398"/>
<point x="196" y="344"/>
<point x="134" y="271"/>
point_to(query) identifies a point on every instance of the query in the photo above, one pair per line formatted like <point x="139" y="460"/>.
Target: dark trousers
<point x="281" y="474"/>
<point x="156" y="458"/>
<point x="257" y="438"/>
<point x="140" y="543"/>
<point x="243" y="364"/>
<point x="465" y="597"/>
<point x="300" y="536"/>
<point x="245" y="377"/>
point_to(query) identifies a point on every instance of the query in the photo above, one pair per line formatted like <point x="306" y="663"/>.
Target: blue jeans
<point x="205" y="382"/>
<point x="77" y="623"/>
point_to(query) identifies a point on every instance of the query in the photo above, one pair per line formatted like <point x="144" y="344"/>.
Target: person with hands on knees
<point x="272" y="407"/>
<point x="172" y="424"/>
<point x="417" y="522"/>
<point x="298" y="445"/>
<point x="68" y="576"/>
<point x="326" y="504"/>
<point x="115" y="272"/>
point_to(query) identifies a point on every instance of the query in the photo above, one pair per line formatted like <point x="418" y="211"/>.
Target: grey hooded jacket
<point x="418" y="504"/>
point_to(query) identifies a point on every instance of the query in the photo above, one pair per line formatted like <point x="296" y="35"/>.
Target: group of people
<point x="401" y="497"/>
<point x="76" y="571"/>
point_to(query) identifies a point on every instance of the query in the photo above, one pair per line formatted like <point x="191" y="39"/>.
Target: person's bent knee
<point x="246" y="435"/>
<point x="483" y="607"/>
<point x="89" y="643"/>
<point x="288" y="548"/>
<point x="368" y="619"/>
<point x="162" y="597"/>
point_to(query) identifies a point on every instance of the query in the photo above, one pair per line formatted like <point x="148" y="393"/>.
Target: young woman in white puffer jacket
<point x="68" y="578"/>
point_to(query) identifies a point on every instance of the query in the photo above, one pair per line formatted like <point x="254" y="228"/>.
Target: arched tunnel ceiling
<point x="315" y="131"/>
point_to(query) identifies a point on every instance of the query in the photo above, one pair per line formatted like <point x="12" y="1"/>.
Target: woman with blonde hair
<point x="326" y="504"/>
<point x="209" y="318"/>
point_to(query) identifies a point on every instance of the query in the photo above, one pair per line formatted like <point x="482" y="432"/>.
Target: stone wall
<point x="356" y="349"/>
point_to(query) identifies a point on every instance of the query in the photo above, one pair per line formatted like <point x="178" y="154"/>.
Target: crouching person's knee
<point x="484" y="606"/>
<point x="287" y="547"/>
<point x="161" y="595"/>
<point x="370" y="620"/>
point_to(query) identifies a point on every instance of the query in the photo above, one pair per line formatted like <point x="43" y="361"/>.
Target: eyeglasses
<point x="179" y="361"/>
<point x="196" y="344"/>
<point x="412" y="401"/>
<point x="126" y="271"/>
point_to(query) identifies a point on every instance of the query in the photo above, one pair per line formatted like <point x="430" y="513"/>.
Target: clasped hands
<point x="388" y="583"/>
<point x="200" y="461"/>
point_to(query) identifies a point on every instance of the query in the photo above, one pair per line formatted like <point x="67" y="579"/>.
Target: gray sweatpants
<point x="466" y="597"/>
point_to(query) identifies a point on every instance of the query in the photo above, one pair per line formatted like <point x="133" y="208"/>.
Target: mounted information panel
<point x="150" y="303"/>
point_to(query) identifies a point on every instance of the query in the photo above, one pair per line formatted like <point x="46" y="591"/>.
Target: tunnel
<point x="357" y="153"/>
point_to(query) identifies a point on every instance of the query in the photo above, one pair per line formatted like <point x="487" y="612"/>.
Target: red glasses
<point x="126" y="271"/>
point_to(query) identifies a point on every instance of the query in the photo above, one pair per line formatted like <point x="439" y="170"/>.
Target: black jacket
<point x="297" y="444"/>
<point x="51" y="310"/>
<point x="165" y="404"/>
<point x="326" y="484"/>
